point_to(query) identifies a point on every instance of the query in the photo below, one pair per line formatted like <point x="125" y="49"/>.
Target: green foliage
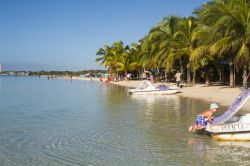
<point x="219" y="30"/>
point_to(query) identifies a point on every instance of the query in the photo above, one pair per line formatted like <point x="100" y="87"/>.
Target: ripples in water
<point x="59" y="122"/>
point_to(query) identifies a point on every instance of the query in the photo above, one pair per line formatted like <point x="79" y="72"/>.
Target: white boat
<point x="236" y="129"/>
<point x="146" y="88"/>
<point x="228" y="127"/>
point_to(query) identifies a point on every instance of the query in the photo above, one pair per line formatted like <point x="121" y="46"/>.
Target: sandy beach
<point x="223" y="95"/>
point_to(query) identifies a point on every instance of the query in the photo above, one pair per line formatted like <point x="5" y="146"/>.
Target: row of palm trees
<point x="217" y="36"/>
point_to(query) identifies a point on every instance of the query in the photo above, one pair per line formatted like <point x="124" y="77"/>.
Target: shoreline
<point x="223" y="95"/>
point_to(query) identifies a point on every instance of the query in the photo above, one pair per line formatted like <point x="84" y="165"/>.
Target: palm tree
<point x="133" y="57"/>
<point x="230" y="21"/>
<point x="241" y="28"/>
<point x="221" y="30"/>
<point x="114" y="57"/>
<point x="146" y="53"/>
<point x="119" y="57"/>
<point x="163" y="36"/>
<point x="103" y="54"/>
<point x="187" y="41"/>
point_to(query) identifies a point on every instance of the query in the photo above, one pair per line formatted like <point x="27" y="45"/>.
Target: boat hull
<point x="156" y="92"/>
<point x="146" y="88"/>
<point x="232" y="136"/>
<point x="236" y="131"/>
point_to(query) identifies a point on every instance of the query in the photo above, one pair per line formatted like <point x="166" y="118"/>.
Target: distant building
<point x="0" y="68"/>
<point x="11" y="73"/>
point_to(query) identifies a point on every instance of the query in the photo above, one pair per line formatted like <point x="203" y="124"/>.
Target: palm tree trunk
<point x="181" y="67"/>
<point x="165" y="75"/>
<point x="219" y="69"/>
<point x="207" y="80"/>
<point x="220" y="74"/>
<point x="245" y="67"/>
<point x="126" y="73"/>
<point x="194" y="77"/>
<point x="188" y="73"/>
<point x="234" y="82"/>
<point x="231" y="71"/>
<point x="117" y="77"/>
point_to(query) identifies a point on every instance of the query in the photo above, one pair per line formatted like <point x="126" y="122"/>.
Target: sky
<point x="66" y="34"/>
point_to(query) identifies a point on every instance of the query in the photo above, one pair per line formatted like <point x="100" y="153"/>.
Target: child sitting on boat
<point x="203" y="118"/>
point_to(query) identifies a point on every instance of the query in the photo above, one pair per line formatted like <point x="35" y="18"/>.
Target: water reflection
<point x="100" y="124"/>
<point x="0" y="86"/>
<point x="244" y="144"/>
<point x="152" y="105"/>
<point x="157" y="126"/>
<point x="152" y="99"/>
<point x="232" y="153"/>
<point x="115" y="95"/>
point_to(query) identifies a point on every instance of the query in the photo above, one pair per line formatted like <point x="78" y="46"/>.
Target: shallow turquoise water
<point x="59" y="122"/>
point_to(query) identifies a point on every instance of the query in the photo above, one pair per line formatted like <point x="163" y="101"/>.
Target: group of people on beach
<point x="105" y="79"/>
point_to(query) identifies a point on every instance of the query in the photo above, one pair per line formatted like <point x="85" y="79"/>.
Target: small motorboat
<point x="146" y="88"/>
<point x="235" y="129"/>
<point x="229" y="127"/>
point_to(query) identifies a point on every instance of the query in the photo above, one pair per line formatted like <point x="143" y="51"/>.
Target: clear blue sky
<point x="66" y="34"/>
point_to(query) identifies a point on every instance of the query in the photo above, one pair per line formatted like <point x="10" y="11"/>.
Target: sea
<point x="74" y="122"/>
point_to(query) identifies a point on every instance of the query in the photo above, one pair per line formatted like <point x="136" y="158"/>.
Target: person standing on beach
<point x="100" y="78"/>
<point x="178" y="78"/>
